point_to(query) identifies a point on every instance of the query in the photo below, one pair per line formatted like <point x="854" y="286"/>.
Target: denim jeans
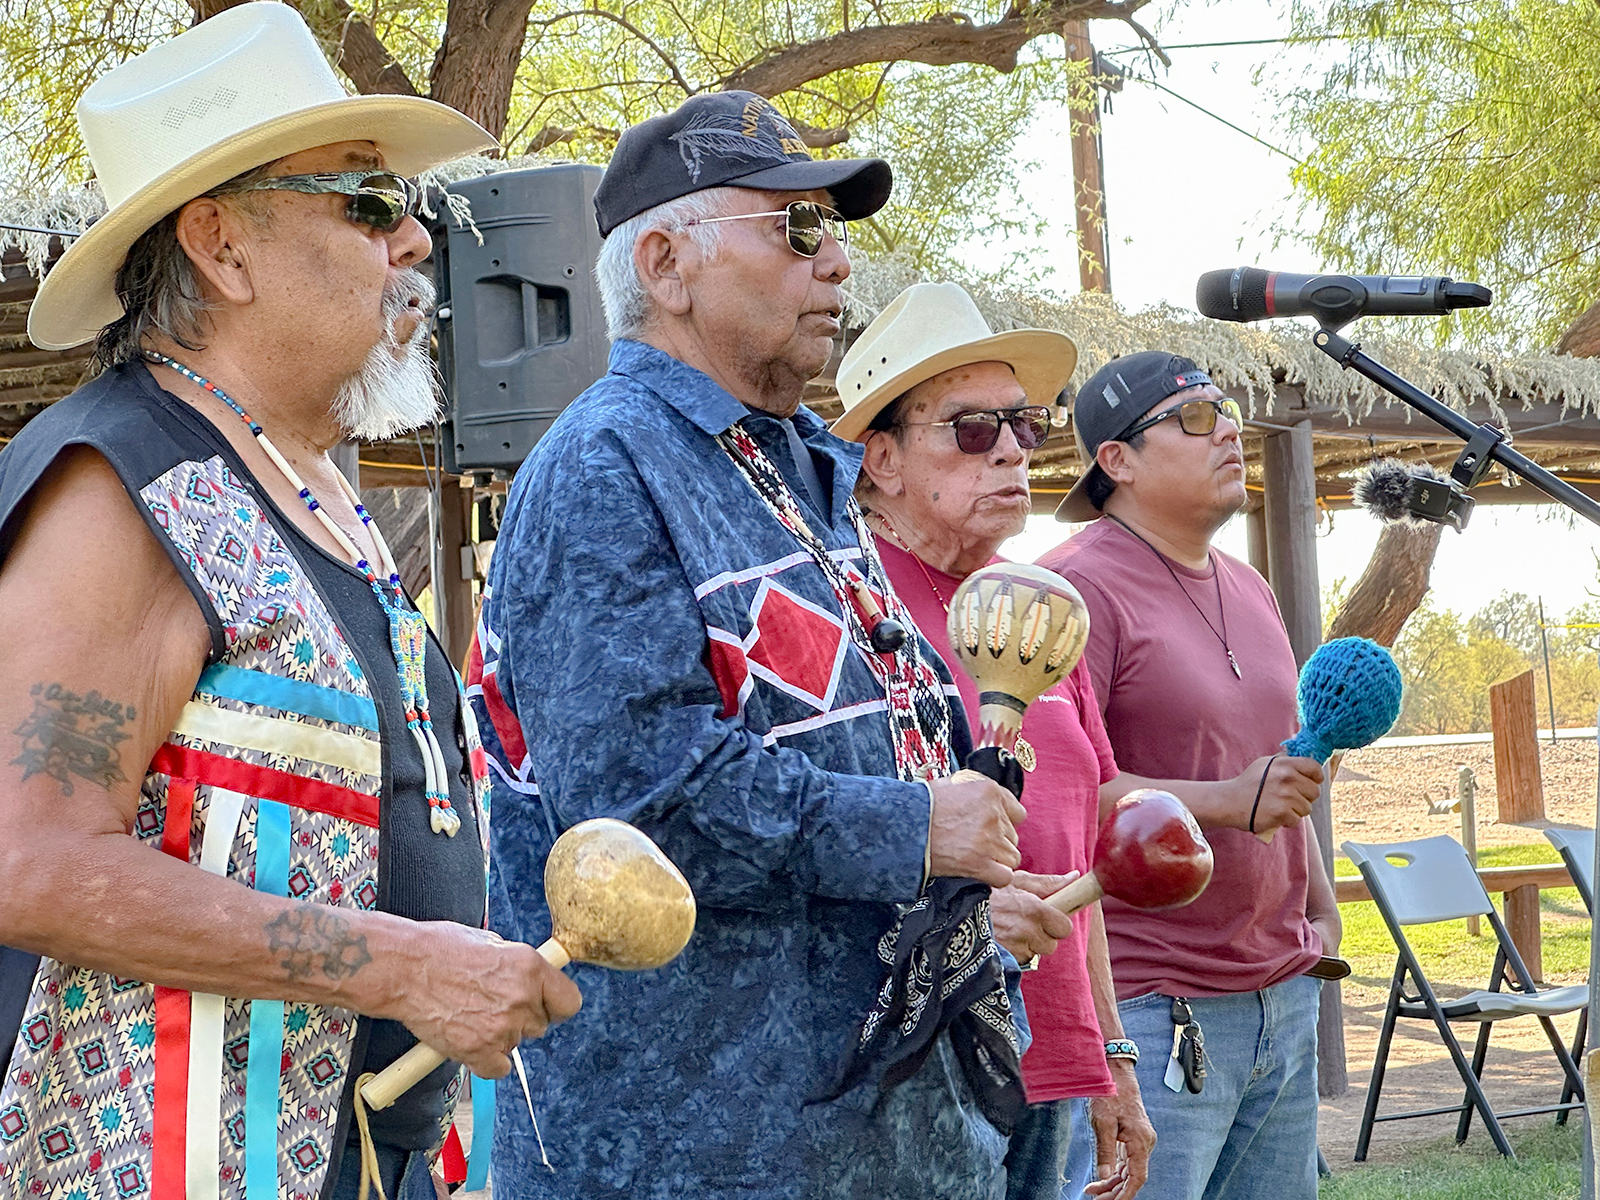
<point x="1251" y="1133"/>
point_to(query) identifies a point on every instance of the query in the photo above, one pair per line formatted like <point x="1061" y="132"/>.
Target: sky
<point x="1184" y="195"/>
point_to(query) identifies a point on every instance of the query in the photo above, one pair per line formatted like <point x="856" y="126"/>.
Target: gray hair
<point x="622" y="292"/>
<point x="160" y="289"/>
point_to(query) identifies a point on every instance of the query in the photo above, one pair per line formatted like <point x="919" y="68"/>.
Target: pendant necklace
<point x="408" y="632"/>
<point x="1216" y="577"/>
<point x="1023" y="752"/>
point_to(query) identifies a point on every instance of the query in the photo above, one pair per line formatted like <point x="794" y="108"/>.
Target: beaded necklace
<point x="408" y="632"/>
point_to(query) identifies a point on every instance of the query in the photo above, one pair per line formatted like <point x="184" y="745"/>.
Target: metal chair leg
<point x="1380" y="1062"/>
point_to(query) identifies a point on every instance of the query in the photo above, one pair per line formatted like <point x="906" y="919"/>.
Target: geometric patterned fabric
<point x="281" y="740"/>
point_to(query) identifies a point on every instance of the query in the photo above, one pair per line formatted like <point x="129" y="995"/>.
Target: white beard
<point x="398" y="388"/>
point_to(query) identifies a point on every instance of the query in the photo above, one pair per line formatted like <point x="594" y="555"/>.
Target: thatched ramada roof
<point x="1550" y="402"/>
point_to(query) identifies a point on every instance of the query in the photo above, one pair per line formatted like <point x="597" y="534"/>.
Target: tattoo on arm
<point x="68" y="734"/>
<point x="313" y="937"/>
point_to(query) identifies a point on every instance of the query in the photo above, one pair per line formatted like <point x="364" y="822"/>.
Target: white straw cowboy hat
<point x="245" y="88"/>
<point x="933" y="327"/>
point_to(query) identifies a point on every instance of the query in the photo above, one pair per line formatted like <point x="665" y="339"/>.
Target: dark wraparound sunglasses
<point x="1197" y="417"/>
<point x="804" y="223"/>
<point x="377" y="198"/>
<point x="977" y="432"/>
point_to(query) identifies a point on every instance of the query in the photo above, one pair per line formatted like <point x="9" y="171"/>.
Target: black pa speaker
<point x="521" y="330"/>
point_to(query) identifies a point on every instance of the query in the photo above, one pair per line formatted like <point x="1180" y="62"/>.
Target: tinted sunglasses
<point x="1198" y="417"/>
<point x="377" y="199"/>
<point x="977" y="432"/>
<point x="804" y="223"/>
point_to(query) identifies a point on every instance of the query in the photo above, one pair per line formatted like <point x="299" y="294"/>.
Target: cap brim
<point x="78" y="297"/>
<point x="859" y="186"/>
<point x="1076" y="505"/>
<point x="1042" y="359"/>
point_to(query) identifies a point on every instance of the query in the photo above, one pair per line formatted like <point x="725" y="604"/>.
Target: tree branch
<point x="359" y="53"/>
<point x="821" y="139"/>
<point x="941" y="40"/>
<point x="666" y="59"/>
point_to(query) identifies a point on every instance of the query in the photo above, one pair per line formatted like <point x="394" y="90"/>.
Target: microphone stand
<point x="1487" y="444"/>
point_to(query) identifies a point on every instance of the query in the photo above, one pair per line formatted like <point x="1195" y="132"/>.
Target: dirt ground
<point x="1381" y="794"/>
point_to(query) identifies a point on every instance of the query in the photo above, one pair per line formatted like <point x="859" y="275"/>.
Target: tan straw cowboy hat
<point x="245" y="88"/>
<point x="932" y="327"/>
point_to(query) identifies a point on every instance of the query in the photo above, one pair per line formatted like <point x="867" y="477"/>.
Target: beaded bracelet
<point x="1123" y="1048"/>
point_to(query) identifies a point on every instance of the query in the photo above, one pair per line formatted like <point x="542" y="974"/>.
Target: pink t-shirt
<point x="1062" y="796"/>
<point x="1174" y="710"/>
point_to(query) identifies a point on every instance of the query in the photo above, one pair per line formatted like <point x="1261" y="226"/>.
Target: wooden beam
<point x="452" y="587"/>
<point x="1094" y="269"/>
<point x="1348" y="889"/>
<point x="1290" y="485"/>
<point x="1517" y="780"/>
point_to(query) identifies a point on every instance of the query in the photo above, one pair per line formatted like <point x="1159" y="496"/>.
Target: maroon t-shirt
<point x="1062" y="796"/>
<point x="1175" y="710"/>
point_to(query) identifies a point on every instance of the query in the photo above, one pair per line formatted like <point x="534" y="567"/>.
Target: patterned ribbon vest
<point x="271" y="777"/>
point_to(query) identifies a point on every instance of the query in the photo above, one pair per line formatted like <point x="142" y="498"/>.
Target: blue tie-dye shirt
<point x="657" y="647"/>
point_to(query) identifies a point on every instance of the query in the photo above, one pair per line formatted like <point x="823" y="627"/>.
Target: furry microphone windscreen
<point x="1384" y="488"/>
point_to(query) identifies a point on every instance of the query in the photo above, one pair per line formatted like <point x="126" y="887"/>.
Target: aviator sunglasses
<point x="1197" y="417"/>
<point x="377" y="198"/>
<point x="804" y="223"/>
<point x="977" y="432"/>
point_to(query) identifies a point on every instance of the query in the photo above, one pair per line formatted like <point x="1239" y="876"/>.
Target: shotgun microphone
<point x="1251" y="294"/>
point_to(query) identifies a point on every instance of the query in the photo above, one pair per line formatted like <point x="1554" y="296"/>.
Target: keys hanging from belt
<point x="1186" y="1068"/>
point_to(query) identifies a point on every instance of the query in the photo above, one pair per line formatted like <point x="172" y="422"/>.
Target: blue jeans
<point x="1049" y="1158"/>
<point x="1251" y="1133"/>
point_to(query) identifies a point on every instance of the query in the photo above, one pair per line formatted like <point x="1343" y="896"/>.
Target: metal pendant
<point x="1024" y="754"/>
<point x="1233" y="662"/>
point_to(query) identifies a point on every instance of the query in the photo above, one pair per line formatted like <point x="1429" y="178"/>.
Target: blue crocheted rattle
<point x="1349" y="696"/>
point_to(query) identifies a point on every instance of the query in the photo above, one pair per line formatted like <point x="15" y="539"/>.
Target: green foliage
<point x="1448" y="663"/>
<point x="1460" y="139"/>
<point x="950" y="132"/>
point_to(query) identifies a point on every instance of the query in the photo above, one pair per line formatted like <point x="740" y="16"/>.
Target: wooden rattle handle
<point x="417" y="1063"/>
<point x="1080" y="893"/>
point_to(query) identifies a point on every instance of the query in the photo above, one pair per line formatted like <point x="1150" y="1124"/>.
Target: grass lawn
<point x="1449" y="956"/>
<point x="1548" y="1167"/>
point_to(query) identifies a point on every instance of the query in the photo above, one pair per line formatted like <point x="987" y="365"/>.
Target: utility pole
<point x="1094" y="267"/>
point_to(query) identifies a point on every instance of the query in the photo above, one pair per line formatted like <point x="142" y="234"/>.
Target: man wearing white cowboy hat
<point x="239" y="815"/>
<point x="950" y="414"/>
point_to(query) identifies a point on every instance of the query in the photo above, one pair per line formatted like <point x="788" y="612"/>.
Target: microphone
<point x="1251" y="294"/>
<point x="1412" y="492"/>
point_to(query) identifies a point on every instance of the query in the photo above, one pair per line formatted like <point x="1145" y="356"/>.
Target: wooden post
<point x="1467" y="790"/>
<point x="1089" y="198"/>
<point x="1513" y="716"/>
<point x="1255" y="529"/>
<point x="346" y="456"/>
<point x="1290" y="478"/>
<point x="452" y="584"/>
<point x="1520" y="792"/>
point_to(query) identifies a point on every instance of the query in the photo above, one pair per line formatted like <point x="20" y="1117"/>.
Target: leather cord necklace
<point x="1216" y="578"/>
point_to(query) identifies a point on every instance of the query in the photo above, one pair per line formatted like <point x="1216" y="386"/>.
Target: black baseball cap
<point x="728" y="139"/>
<point x="1111" y="402"/>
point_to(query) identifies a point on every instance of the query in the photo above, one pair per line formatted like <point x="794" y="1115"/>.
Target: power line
<point x="1279" y="41"/>
<point x="1215" y="117"/>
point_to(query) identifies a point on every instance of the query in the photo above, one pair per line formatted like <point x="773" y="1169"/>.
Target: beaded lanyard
<point x="919" y="714"/>
<point x="408" y="632"/>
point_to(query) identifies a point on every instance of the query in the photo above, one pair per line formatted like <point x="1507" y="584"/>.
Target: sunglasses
<point x="977" y="432"/>
<point x="804" y="223"/>
<point x="377" y="199"/>
<point x="1198" y="417"/>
